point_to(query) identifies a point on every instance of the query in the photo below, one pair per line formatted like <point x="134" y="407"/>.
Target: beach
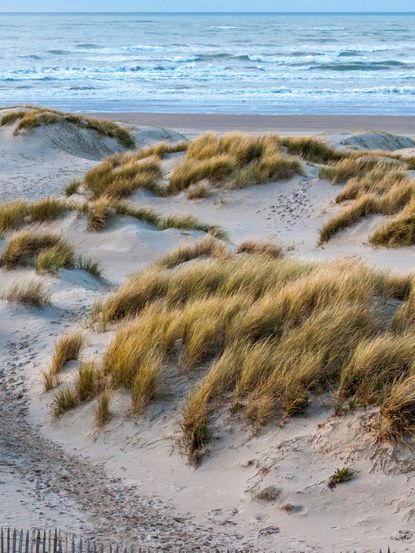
<point x="207" y="285"/>
<point x="263" y="488"/>
<point x="194" y="123"/>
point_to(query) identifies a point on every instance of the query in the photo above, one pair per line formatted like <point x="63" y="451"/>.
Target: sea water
<point x="211" y="63"/>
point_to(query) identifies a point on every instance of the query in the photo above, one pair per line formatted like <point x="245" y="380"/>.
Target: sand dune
<point x="132" y="479"/>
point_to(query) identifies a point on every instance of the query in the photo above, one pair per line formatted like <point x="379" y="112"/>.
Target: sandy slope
<point x="131" y="480"/>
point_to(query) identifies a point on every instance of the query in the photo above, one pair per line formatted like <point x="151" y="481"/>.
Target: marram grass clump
<point x="248" y="328"/>
<point x="28" y="118"/>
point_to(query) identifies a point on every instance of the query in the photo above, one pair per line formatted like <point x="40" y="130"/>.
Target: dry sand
<point x="191" y="124"/>
<point x="131" y="480"/>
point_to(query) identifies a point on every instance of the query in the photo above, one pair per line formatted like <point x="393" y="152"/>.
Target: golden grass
<point x="103" y="409"/>
<point x="32" y="117"/>
<point x="51" y="260"/>
<point x="312" y="149"/>
<point x="233" y="160"/>
<point x="89" y="383"/>
<point x="102" y="210"/>
<point x="261" y="247"/>
<point x="160" y="149"/>
<point x="348" y="168"/>
<point x="30" y="294"/>
<point x="26" y="244"/>
<point x="67" y="348"/>
<point x="398" y="410"/>
<point x="256" y="328"/>
<point x="120" y="175"/>
<point x="198" y="190"/>
<point x="72" y="187"/>
<point x="385" y="190"/>
<point x="398" y="232"/>
<point x="20" y="212"/>
<point x="206" y="246"/>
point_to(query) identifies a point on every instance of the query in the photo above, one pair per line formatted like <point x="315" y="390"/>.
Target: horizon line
<point x="45" y="12"/>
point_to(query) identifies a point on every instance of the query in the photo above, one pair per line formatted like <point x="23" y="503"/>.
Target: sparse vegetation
<point x="261" y="247"/>
<point x="198" y="190"/>
<point x="207" y="246"/>
<point x="51" y="260"/>
<point x="348" y="168"/>
<point x="89" y="265"/>
<point x="15" y="214"/>
<point x="24" y="245"/>
<point x="29" y="118"/>
<point x="341" y="476"/>
<point x="103" y="409"/>
<point x="67" y="349"/>
<point x="72" y="187"/>
<point x="30" y="294"/>
<point x="385" y="190"/>
<point x="312" y="149"/>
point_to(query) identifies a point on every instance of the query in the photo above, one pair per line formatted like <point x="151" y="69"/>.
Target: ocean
<point x="210" y="63"/>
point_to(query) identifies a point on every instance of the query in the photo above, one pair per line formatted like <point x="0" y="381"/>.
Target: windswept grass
<point x="24" y="245"/>
<point x="72" y="187"/>
<point x="256" y="328"/>
<point x="29" y="294"/>
<point x="89" y="382"/>
<point x="348" y="168"/>
<point x="206" y="246"/>
<point x="67" y="349"/>
<point x="398" y="232"/>
<point x="313" y="149"/>
<point x="103" y="409"/>
<point x="385" y="190"/>
<point x="261" y="247"/>
<point x="120" y="175"/>
<point x="14" y="215"/>
<point x="29" y="118"/>
<point x="160" y="149"/>
<point x="198" y="190"/>
<point x="101" y="211"/>
<point x="233" y="160"/>
<point x="51" y="260"/>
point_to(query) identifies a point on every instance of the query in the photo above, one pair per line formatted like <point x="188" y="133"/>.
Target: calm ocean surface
<point x="290" y="64"/>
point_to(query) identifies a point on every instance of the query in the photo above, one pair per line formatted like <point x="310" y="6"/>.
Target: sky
<point x="206" y="5"/>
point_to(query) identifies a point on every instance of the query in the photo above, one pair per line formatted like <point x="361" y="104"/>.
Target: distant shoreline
<point x="298" y="124"/>
<point x="207" y="13"/>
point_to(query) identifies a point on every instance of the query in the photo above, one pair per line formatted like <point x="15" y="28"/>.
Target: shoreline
<point x="189" y="123"/>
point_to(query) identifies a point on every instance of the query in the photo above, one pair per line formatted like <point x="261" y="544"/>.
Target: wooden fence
<point x="48" y="541"/>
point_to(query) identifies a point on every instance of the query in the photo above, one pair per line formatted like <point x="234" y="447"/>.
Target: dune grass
<point x="262" y="247"/>
<point x="67" y="348"/>
<point x="103" y="410"/>
<point x="385" y="190"/>
<point x="101" y="212"/>
<point x="72" y="187"/>
<point x="198" y="190"/>
<point x="234" y="160"/>
<point x="120" y="175"/>
<point x="206" y="246"/>
<point x="313" y="149"/>
<point x="29" y="118"/>
<point x="353" y="167"/>
<point x="254" y="322"/>
<point x="29" y="294"/>
<point x="51" y="260"/>
<point x="399" y="231"/>
<point x="88" y="384"/>
<point x="18" y="213"/>
<point x="24" y="245"/>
